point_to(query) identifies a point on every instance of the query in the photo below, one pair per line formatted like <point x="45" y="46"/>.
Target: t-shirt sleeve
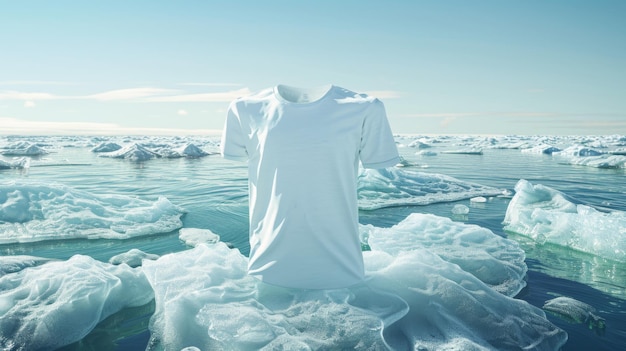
<point x="232" y="145"/>
<point x="378" y="147"/>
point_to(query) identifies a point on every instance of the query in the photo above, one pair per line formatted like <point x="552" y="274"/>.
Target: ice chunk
<point x="393" y="186"/>
<point x="497" y="261"/>
<point x="12" y="264"/>
<point x="412" y="300"/>
<point x="195" y="236"/>
<point x="467" y="151"/>
<point x="604" y="161"/>
<point x="106" y="147"/>
<point x="24" y="149"/>
<point x="133" y="152"/>
<point x="478" y="199"/>
<point x="546" y="215"/>
<point x="426" y="153"/>
<point x="188" y="150"/>
<point x="19" y="163"/>
<point x="460" y="209"/>
<point x="133" y="258"/>
<point x="542" y="149"/>
<point x="574" y="311"/>
<point x="58" y="303"/>
<point x="577" y="151"/>
<point x="31" y="211"/>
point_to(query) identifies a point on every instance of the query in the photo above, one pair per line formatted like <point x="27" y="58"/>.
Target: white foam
<point x="546" y="215"/>
<point x="31" y="211"/>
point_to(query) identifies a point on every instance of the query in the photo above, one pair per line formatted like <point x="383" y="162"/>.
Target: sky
<point x="527" y="67"/>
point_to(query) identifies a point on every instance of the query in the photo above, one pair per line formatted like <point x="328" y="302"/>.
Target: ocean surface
<point x="472" y="243"/>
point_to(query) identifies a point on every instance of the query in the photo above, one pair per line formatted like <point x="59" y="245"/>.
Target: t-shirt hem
<point x="235" y="158"/>
<point x="388" y="163"/>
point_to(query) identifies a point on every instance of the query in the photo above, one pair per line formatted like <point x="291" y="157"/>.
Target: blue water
<point x="213" y="193"/>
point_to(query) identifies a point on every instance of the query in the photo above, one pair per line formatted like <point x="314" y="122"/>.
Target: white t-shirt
<point x="303" y="149"/>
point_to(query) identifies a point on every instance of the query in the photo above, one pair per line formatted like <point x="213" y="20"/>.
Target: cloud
<point x="182" y="113"/>
<point x="129" y="94"/>
<point x="212" y="84"/>
<point x="35" y="82"/>
<point x="385" y="94"/>
<point x="204" y="97"/>
<point x="146" y="94"/>
<point x="25" y="127"/>
<point x="449" y="115"/>
<point x="29" y="103"/>
<point x="16" y="95"/>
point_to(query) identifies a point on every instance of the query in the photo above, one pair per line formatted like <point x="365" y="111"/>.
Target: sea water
<point x="143" y="245"/>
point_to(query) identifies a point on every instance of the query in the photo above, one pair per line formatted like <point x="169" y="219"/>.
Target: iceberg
<point x="58" y="303"/>
<point x="547" y="216"/>
<point x="410" y="300"/>
<point x="378" y="188"/>
<point x="32" y="212"/>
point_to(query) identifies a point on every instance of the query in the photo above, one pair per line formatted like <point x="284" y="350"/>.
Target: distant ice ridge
<point x="58" y="303"/>
<point x="32" y="212"/>
<point x="23" y="148"/>
<point x="547" y="216"/>
<point x="138" y="152"/>
<point x="412" y="299"/>
<point x="378" y="188"/>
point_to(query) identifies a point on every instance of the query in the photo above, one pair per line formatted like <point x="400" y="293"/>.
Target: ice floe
<point x="32" y="212"/>
<point x="378" y="188"/>
<point x="58" y="303"/>
<point x="496" y="261"/>
<point x="411" y="300"/>
<point x="548" y="216"/>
